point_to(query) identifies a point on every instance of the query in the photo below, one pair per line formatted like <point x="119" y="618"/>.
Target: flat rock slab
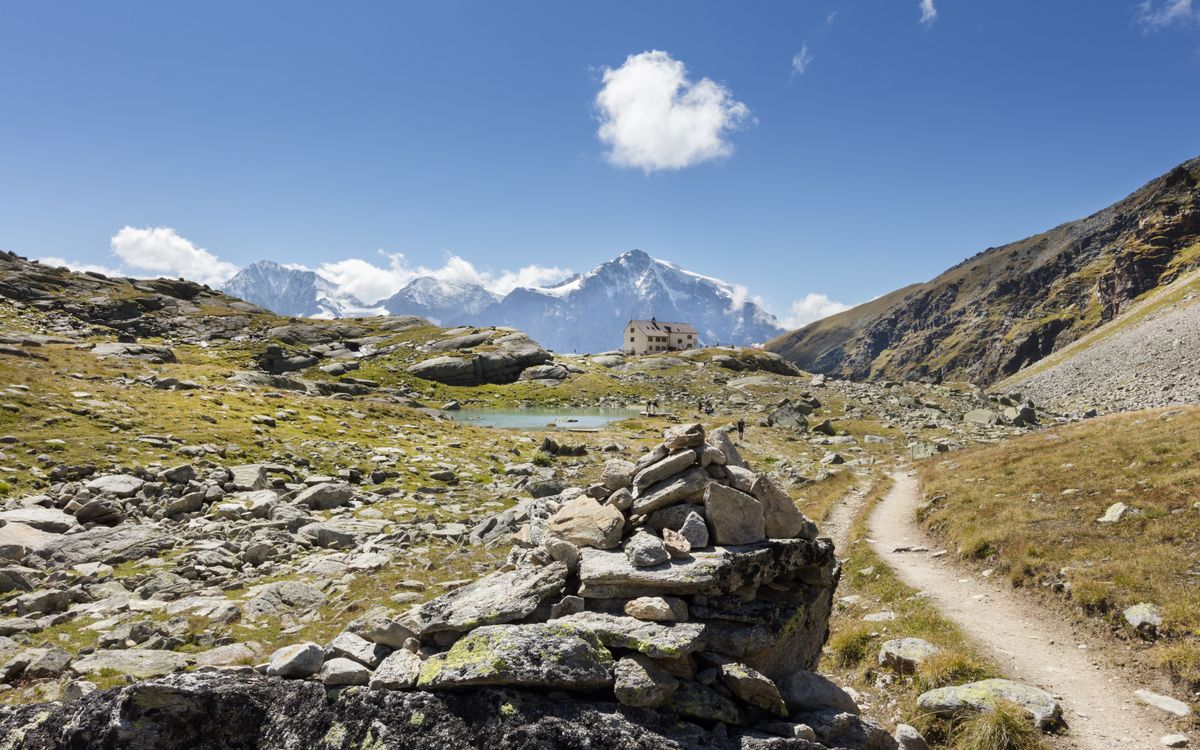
<point x="610" y="575"/>
<point x="656" y="640"/>
<point x="551" y="656"/>
<point x="671" y="491"/>
<point x="109" y="545"/>
<point x="1164" y="703"/>
<point x="282" y="597"/>
<point x="18" y="540"/>
<point x="120" y="485"/>
<point x="51" y="520"/>
<point x="494" y="599"/>
<point x="136" y="662"/>
<point x="982" y="695"/>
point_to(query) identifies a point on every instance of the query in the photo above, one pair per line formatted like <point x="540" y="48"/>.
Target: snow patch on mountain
<point x="295" y="291"/>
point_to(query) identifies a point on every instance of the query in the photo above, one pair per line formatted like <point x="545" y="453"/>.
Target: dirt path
<point x="1029" y="643"/>
<point x="836" y="525"/>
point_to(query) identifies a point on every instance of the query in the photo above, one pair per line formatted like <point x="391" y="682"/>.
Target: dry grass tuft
<point x="1005" y="727"/>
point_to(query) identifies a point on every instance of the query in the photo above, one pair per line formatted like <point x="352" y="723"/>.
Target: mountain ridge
<point x="1007" y="307"/>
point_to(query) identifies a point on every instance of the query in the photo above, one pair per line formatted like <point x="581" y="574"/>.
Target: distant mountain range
<point x="585" y="313"/>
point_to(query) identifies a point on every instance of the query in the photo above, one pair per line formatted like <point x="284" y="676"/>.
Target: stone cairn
<point x="683" y="581"/>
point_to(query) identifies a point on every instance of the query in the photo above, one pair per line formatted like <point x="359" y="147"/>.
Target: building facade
<point x="652" y="336"/>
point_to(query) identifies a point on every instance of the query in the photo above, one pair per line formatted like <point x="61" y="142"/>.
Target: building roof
<point x="654" y="327"/>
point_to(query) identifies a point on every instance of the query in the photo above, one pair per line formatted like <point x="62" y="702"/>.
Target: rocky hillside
<point x="1144" y="358"/>
<point x="85" y="304"/>
<point x="1011" y="306"/>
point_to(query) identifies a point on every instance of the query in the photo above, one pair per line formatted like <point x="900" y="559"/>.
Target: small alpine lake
<point x="541" y="418"/>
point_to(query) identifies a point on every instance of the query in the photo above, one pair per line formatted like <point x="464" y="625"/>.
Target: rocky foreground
<point x="680" y="602"/>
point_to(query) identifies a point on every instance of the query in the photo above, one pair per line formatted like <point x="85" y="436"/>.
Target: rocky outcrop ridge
<point x="81" y="304"/>
<point x="496" y="356"/>
<point x="219" y="711"/>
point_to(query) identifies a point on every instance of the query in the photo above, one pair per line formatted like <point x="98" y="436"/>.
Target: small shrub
<point x="543" y="459"/>
<point x="1093" y="596"/>
<point x="1005" y="727"/>
<point x="852" y="645"/>
<point x="977" y="548"/>
<point x="1182" y="662"/>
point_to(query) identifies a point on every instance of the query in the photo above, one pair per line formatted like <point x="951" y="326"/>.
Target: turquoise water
<point x="540" y="419"/>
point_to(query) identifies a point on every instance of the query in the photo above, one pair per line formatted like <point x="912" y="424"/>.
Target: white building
<point x="650" y="336"/>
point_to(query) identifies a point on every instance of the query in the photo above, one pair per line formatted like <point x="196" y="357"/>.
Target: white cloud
<point x="801" y="60"/>
<point x="928" y="12"/>
<point x="653" y="117"/>
<point x="1153" y="15"/>
<point x="811" y="308"/>
<point x="529" y="276"/>
<point x="162" y="250"/>
<point x="366" y="281"/>
<point x="371" y="283"/>
<point x="75" y="265"/>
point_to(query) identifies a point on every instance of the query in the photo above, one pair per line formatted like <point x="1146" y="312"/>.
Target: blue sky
<point x="910" y="134"/>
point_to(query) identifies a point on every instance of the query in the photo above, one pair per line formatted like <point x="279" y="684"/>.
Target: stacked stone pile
<point x="683" y="582"/>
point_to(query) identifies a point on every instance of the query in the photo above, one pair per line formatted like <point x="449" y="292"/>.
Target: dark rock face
<point x="234" y="712"/>
<point x="514" y="353"/>
<point x="1010" y="306"/>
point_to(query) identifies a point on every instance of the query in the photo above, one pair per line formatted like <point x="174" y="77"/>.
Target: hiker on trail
<point x="741" y="425"/>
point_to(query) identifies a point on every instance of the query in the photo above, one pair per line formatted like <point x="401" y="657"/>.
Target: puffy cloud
<point x="653" y="117"/>
<point x="372" y="283"/>
<point x="928" y="12"/>
<point x="79" y="266"/>
<point x="367" y="281"/>
<point x="811" y="308"/>
<point x="528" y="276"/>
<point x="162" y="250"/>
<point x="1153" y="15"/>
<point x="801" y="60"/>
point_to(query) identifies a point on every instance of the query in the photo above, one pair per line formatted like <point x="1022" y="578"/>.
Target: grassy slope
<point x="1028" y="507"/>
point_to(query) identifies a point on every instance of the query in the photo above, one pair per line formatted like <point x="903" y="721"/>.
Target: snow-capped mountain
<point x="587" y="313"/>
<point x="443" y="302"/>
<point x="296" y="292"/>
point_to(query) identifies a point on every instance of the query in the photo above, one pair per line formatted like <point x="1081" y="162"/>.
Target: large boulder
<point x="949" y="702"/>
<point x="733" y="517"/>
<point x="552" y="656"/>
<point x="586" y="523"/>
<point x="504" y="365"/>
